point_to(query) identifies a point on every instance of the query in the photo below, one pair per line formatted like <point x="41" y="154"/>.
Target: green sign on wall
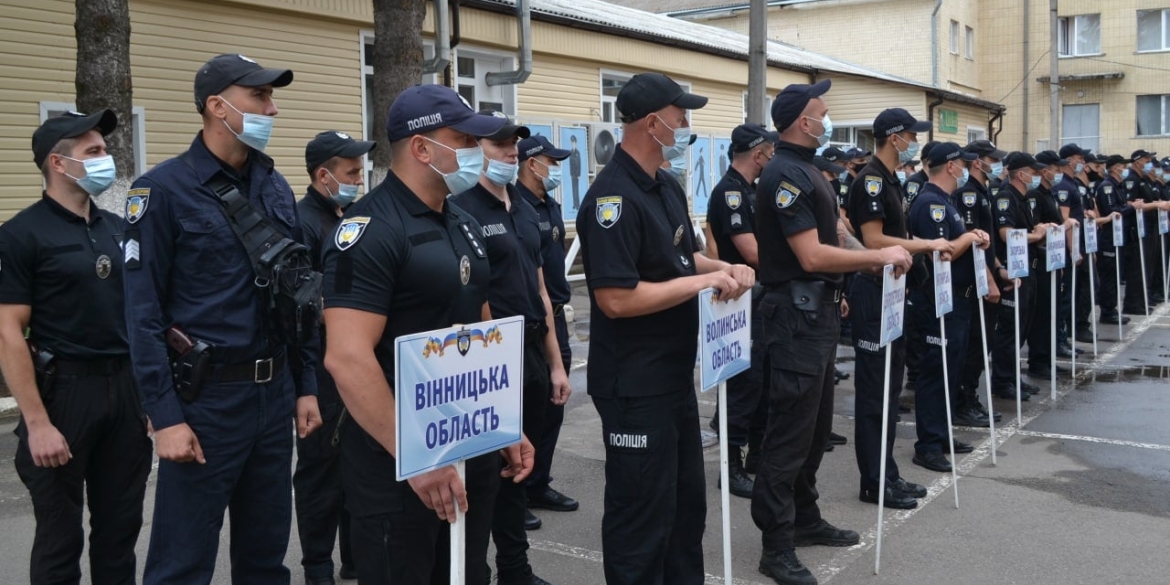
<point x="948" y="121"/>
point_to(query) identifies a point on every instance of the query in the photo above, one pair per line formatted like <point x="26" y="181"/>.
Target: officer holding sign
<point x="405" y="260"/>
<point x="801" y="267"/>
<point x="1112" y="206"/>
<point x="644" y="277"/>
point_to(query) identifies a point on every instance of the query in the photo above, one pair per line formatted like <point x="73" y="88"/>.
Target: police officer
<point x="1112" y="205"/>
<point x="511" y="236"/>
<point x="1042" y="202"/>
<point x="932" y="215"/>
<point x="801" y="263"/>
<point x="81" y="426"/>
<point x="1012" y="211"/>
<point x="915" y="181"/>
<point x="223" y="442"/>
<point x="875" y="210"/>
<point x="335" y="165"/>
<point x="731" y="217"/>
<point x="1141" y="193"/>
<point x="540" y="175"/>
<point x="405" y="260"/>
<point x="1072" y="194"/>
<point x="643" y="276"/>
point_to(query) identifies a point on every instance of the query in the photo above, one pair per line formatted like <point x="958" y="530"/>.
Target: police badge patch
<point x="786" y="195"/>
<point x="349" y="231"/>
<point x="1062" y="195"/>
<point x="1129" y="185"/>
<point x="136" y="200"/>
<point x="912" y="189"/>
<point x="937" y="213"/>
<point x="556" y="234"/>
<point x="969" y="199"/>
<point x="609" y="209"/>
<point x="103" y="267"/>
<point x="1032" y="204"/>
<point x="733" y="198"/>
<point x="1108" y="189"/>
<point x="464" y="270"/>
<point x="873" y="185"/>
<point x="1002" y="204"/>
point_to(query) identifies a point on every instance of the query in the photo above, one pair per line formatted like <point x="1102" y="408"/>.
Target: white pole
<point x="877" y="561"/>
<point x="1142" y="263"/>
<point x="1072" y="321"/>
<point x="1093" y="303"/>
<point x="942" y="329"/>
<point x="987" y="376"/>
<point x="1019" y="400"/>
<point x="1162" y="247"/>
<point x="1120" y="315"/>
<point x="725" y="481"/>
<point x="459" y="536"/>
<point x="1052" y="333"/>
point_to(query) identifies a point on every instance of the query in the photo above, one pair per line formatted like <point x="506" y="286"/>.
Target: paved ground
<point x="1079" y="493"/>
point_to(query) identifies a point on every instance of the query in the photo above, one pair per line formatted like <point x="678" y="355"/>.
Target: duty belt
<point x="832" y="292"/>
<point x="259" y="371"/>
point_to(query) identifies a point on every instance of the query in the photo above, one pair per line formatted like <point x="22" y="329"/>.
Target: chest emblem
<point x="734" y="199"/>
<point x="969" y="199"/>
<point x="609" y="209"/>
<point x="1002" y="204"/>
<point x="556" y="234"/>
<point x="912" y="189"/>
<point x="349" y="231"/>
<point x="103" y="267"/>
<point x="873" y="185"/>
<point x="464" y="270"/>
<point x="937" y="213"/>
<point x="1108" y="189"/>
<point x="136" y="200"/>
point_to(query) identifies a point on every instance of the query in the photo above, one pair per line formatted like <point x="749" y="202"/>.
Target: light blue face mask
<point x="257" y="128"/>
<point x="905" y="156"/>
<point x="553" y="180"/>
<point x="1080" y="168"/>
<point x="100" y="173"/>
<point x="996" y="169"/>
<point x="961" y="181"/>
<point x="500" y="172"/>
<point x="901" y="176"/>
<point x="827" y="124"/>
<point x="675" y="169"/>
<point x="1035" y="182"/>
<point x="1124" y="174"/>
<point x="346" y="194"/>
<point x="470" y="162"/>
<point x="1148" y="167"/>
<point x="682" y="140"/>
<point x="1057" y="178"/>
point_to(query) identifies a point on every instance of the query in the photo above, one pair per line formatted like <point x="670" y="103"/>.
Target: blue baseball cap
<point x="946" y="152"/>
<point x="537" y="145"/>
<point x="792" y="101"/>
<point x="424" y="108"/>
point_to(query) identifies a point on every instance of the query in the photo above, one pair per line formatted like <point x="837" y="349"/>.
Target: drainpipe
<point x="1027" y="10"/>
<point x="442" y="56"/>
<point x="991" y="131"/>
<point x="930" y="115"/>
<point x="934" y="45"/>
<point x="524" y="39"/>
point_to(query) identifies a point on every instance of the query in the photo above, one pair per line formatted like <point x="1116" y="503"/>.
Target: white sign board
<point x="1055" y="258"/>
<point x="1090" y="237"/>
<point x="1017" y="253"/>
<point x="725" y="337"/>
<point x="1118" y="231"/>
<point x="1163" y="221"/>
<point x="893" y="305"/>
<point x="1076" y="244"/>
<point x="944" y="301"/>
<point x="982" y="287"/>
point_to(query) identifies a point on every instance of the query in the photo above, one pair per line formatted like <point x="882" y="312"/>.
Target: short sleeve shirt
<point x="552" y="244"/>
<point x="731" y="212"/>
<point x="793" y="197"/>
<point x="932" y="215"/>
<point x="1012" y="212"/>
<point x="974" y="204"/>
<point x="877" y="195"/>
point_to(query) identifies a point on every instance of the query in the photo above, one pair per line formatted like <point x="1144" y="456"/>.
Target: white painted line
<point x="1115" y="442"/>
<point x="7" y="405"/>
<point x="593" y="556"/>
<point x="578" y="365"/>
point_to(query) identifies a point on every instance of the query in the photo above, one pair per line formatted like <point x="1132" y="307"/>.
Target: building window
<point x="970" y="43"/>
<point x="1152" y="116"/>
<point x="974" y="134"/>
<point x="954" y="37"/>
<point x="1079" y="35"/>
<point x="1153" y="27"/>
<point x="846" y="137"/>
<point x="471" y="70"/>
<point x="138" y="115"/>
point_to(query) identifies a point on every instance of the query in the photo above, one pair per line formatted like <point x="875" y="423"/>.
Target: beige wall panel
<point x="853" y="100"/>
<point x="561" y="88"/>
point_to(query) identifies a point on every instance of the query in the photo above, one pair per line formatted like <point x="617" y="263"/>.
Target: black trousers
<point x="1107" y="292"/>
<point x="1040" y="333"/>
<point x="930" y="414"/>
<point x="973" y="361"/>
<point x="1006" y="352"/>
<point x="1135" y="289"/>
<point x="320" y="501"/>
<point x="508" y="519"/>
<point x="1083" y="303"/>
<point x="101" y="418"/>
<point x="869" y="377"/>
<point x="554" y="417"/>
<point x="655" y="494"/>
<point x="798" y="372"/>
<point x="411" y="546"/>
<point x="1154" y="267"/>
<point x="747" y="405"/>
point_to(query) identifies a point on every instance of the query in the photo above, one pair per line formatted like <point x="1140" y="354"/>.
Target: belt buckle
<point x="263" y="366"/>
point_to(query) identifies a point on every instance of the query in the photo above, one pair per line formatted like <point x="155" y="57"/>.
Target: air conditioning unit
<point x="603" y="140"/>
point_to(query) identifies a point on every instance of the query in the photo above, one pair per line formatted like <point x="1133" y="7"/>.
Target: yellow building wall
<point x="854" y="101"/>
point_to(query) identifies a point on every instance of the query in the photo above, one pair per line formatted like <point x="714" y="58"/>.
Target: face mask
<point x="961" y="180"/>
<point x="1148" y="167"/>
<point x="345" y="193"/>
<point x="1035" y="182"/>
<point x="843" y="177"/>
<point x="1057" y="178"/>
<point x="901" y="176"/>
<point x="996" y="169"/>
<point x="100" y="173"/>
<point x="827" y="124"/>
<point x="676" y="167"/>
<point x="682" y="139"/>
<point x="1080" y="168"/>
<point x="470" y="162"/>
<point x="553" y="180"/>
<point x="257" y="128"/>
<point x="501" y="173"/>
<point x="1124" y="174"/>
<point x="905" y="156"/>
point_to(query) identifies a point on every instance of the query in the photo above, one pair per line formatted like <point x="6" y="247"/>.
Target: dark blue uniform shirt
<point x="186" y="267"/>
<point x="319" y="218"/>
<point x="932" y="215"/>
<point x="731" y="211"/>
<point x="552" y="244"/>
<point x="1069" y="194"/>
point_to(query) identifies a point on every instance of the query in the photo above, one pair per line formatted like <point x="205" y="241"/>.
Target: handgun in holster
<point x="43" y="365"/>
<point x="190" y="363"/>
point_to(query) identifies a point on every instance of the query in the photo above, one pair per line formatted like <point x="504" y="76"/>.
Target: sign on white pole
<point x="1017" y="253"/>
<point x="1055" y="258"/>
<point x="979" y="257"/>
<point x="1163" y="222"/>
<point x="982" y="289"/>
<point x="893" y="316"/>
<point x="1118" y="233"/>
<point x="943" y="301"/>
<point x="1090" y="237"/>
<point x="943" y="304"/>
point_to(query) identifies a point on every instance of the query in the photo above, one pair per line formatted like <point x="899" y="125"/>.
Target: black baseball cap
<point x="1072" y="149"/>
<point x="855" y="152"/>
<point x="331" y="143"/>
<point x="646" y="93"/>
<point x="945" y="152"/>
<point x="833" y="154"/>
<point x="1139" y="153"/>
<point x="986" y="148"/>
<point x="895" y="120"/>
<point x="1100" y="158"/>
<point x="924" y="152"/>
<point x="510" y="128"/>
<point x="1049" y="157"/>
<point x="1018" y="160"/>
<point x="424" y="108"/>
<point x="823" y="164"/>
<point x="748" y="136"/>
<point x="69" y="125"/>
<point x="1117" y="159"/>
<point x="787" y="106"/>
<point x="536" y="145"/>
<point x="229" y="69"/>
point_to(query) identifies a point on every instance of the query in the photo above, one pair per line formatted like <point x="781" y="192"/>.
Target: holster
<point x="190" y="363"/>
<point x="44" y="367"/>
<point x="807" y="295"/>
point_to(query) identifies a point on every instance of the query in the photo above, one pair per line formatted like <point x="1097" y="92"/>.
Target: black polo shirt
<point x="512" y="238"/>
<point x="1013" y="212"/>
<point x="318" y="220"/>
<point x="394" y="256"/>
<point x="974" y="204"/>
<point x="70" y="273"/>
<point x="731" y="211"/>
<point x="1111" y="198"/>
<point x="933" y="215"/>
<point x="794" y="197"/>
<point x="1071" y="195"/>
<point x="877" y="194"/>
<point x="552" y="245"/>
<point x="633" y="228"/>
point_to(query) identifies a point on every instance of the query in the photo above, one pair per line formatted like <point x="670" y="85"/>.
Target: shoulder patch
<point x="1062" y="195"/>
<point x="969" y="199"/>
<point x="136" y="201"/>
<point x="1129" y="184"/>
<point x="609" y="209"/>
<point x="734" y="199"/>
<point x="938" y="213"/>
<point x="785" y="197"/>
<point x="873" y="185"/>
<point x="1108" y="189"/>
<point x="1002" y="203"/>
<point x="349" y="231"/>
<point x="912" y="189"/>
<point x="994" y="191"/>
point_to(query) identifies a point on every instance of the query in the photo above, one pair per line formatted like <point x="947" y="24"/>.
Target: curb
<point x="8" y="406"/>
